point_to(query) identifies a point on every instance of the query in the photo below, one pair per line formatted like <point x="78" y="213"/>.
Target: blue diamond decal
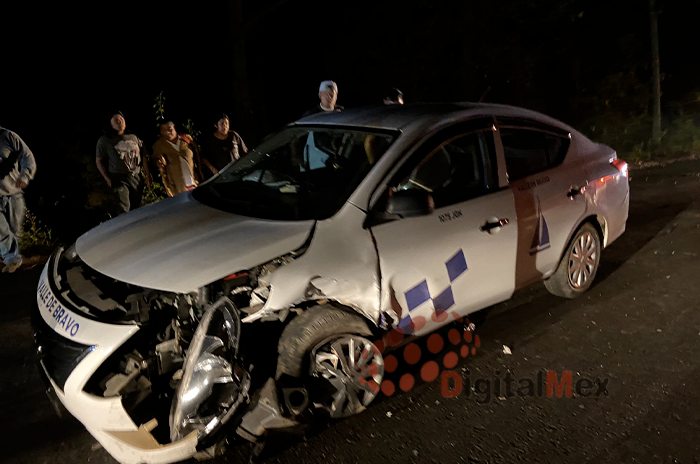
<point x="456" y="265"/>
<point x="405" y="325"/>
<point x="417" y="295"/>
<point x="444" y="300"/>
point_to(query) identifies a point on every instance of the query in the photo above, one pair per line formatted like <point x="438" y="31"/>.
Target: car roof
<point x="398" y="117"/>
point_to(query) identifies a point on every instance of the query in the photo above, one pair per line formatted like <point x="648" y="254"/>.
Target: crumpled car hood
<point x="179" y="244"/>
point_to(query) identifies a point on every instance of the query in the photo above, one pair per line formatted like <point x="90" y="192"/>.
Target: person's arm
<point x="158" y="157"/>
<point x="242" y="144"/>
<point x="210" y="166"/>
<point x="100" y="162"/>
<point x="26" y="161"/>
<point x="239" y="147"/>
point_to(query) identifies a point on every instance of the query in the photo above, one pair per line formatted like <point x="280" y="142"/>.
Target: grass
<point x="36" y="239"/>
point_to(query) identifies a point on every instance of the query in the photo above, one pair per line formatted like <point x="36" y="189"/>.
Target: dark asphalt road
<point x="638" y="328"/>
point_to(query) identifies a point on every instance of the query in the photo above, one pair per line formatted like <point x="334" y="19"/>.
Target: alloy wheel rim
<point x="354" y="367"/>
<point x="582" y="260"/>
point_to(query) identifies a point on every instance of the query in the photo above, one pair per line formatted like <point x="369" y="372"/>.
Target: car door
<point x="460" y="257"/>
<point x="547" y="194"/>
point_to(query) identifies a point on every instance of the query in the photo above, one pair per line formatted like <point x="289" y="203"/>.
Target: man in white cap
<point x="328" y="94"/>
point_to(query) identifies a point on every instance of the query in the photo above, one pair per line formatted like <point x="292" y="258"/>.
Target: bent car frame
<point x="255" y="300"/>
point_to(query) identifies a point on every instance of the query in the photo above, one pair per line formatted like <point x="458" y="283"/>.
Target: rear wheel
<point x="579" y="265"/>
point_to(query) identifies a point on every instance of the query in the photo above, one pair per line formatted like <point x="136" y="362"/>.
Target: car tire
<point x="310" y="328"/>
<point x="577" y="269"/>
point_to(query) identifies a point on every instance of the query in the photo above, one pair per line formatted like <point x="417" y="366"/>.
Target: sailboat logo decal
<point x="541" y="239"/>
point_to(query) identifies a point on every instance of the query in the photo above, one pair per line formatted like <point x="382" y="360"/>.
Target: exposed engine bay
<point x="188" y="366"/>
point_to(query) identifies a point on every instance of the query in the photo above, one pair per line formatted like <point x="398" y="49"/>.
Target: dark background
<point x="66" y="68"/>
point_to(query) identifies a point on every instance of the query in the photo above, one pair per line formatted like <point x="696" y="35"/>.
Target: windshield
<point x="298" y="174"/>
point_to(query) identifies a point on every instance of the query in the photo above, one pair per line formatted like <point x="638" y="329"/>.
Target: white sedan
<point x="297" y="257"/>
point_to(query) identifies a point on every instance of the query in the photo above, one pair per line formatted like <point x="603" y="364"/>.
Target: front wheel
<point x="577" y="269"/>
<point x="354" y="368"/>
<point x="327" y="349"/>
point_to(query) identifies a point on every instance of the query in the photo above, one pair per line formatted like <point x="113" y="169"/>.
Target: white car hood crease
<point x="179" y="244"/>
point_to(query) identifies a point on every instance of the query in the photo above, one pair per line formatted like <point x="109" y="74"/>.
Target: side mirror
<point x="408" y="203"/>
<point x="401" y="204"/>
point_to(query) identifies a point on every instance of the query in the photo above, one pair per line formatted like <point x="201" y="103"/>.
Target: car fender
<point x="341" y="264"/>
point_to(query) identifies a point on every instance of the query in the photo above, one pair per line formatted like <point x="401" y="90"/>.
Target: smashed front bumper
<point x="105" y="418"/>
<point x="71" y="348"/>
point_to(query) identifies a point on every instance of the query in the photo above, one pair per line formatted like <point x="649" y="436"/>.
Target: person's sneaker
<point x="12" y="267"/>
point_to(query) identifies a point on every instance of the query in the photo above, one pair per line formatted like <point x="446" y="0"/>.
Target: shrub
<point x="681" y="137"/>
<point x="36" y="238"/>
<point x="153" y="194"/>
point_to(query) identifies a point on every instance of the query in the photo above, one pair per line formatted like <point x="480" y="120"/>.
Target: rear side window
<point x="529" y="151"/>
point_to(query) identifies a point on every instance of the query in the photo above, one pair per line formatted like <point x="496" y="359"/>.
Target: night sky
<point x="82" y="62"/>
<point x="65" y="68"/>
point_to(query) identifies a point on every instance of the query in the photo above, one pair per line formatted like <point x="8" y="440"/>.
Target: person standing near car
<point x="394" y="97"/>
<point x="174" y="155"/>
<point x="222" y="147"/>
<point x="17" y="168"/>
<point x="328" y="94"/>
<point x="120" y="158"/>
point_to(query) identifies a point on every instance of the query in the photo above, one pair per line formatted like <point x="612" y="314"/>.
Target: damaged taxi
<point x="255" y="299"/>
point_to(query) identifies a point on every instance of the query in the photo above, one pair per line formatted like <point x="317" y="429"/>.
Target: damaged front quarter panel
<point x="341" y="265"/>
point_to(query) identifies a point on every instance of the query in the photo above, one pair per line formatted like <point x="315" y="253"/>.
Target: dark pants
<point x="128" y="191"/>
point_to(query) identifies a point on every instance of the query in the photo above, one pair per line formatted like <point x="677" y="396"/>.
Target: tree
<point x="656" y="76"/>
<point x="238" y="27"/>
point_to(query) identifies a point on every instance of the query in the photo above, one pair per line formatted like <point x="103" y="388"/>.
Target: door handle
<point x="576" y="190"/>
<point x="494" y="223"/>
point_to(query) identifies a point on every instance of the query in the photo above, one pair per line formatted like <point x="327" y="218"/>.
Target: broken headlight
<point x="213" y="384"/>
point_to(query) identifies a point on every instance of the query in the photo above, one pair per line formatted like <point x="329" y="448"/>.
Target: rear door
<point x="459" y="258"/>
<point x="548" y="196"/>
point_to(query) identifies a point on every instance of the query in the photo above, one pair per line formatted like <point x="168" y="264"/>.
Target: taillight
<point x="620" y="165"/>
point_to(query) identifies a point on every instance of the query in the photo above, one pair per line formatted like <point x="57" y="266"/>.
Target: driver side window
<point x="455" y="171"/>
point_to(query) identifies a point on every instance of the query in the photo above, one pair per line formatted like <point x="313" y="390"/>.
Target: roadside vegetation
<point x="619" y="116"/>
